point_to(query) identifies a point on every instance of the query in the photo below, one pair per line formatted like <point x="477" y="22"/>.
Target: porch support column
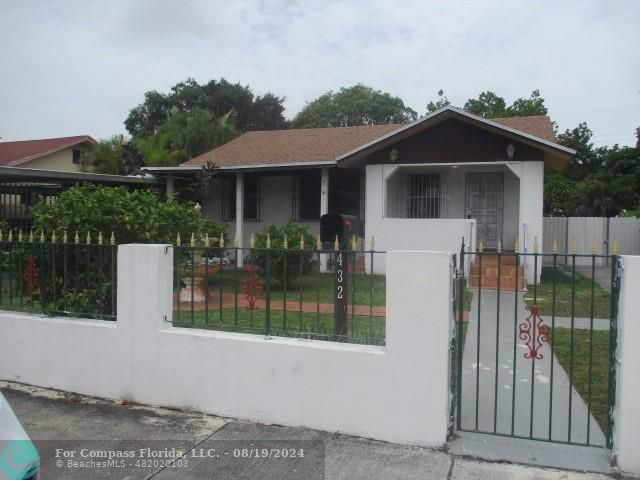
<point x="170" y="188"/>
<point x="239" y="216"/>
<point x="530" y="228"/>
<point x="324" y="209"/>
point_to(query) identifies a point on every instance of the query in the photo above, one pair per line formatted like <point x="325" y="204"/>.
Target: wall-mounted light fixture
<point x="511" y="151"/>
<point x="393" y="155"/>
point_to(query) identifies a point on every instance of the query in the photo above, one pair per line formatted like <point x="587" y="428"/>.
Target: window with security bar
<point x="251" y="198"/>
<point x="306" y="196"/>
<point x="424" y="195"/>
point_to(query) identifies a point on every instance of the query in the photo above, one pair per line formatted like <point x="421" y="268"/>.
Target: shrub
<point x="138" y="216"/>
<point x="294" y="258"/>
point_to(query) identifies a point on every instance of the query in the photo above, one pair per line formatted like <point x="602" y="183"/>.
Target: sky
<point x="77" y="67"/>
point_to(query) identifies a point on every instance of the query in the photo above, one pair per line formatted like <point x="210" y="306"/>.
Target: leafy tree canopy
<point x="117" y="155"/>
<point x="215" y="97"/>
<point x="356" y="105"/>
<point x="185" y="135"/>
<point x="490" y="105"/>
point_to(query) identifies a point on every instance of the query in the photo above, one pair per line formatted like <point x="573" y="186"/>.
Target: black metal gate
<point x="534" y="345"/>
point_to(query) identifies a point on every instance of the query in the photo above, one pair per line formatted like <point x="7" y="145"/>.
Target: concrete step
<point x="492" y="271"/>
<point x="491" y="283"/>
<point x="491" y="259"/>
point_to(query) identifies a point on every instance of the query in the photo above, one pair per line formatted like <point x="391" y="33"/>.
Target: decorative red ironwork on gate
<point x="32" y="275"/>
<point x="251" y="286"/>
<point x="534" y="332"/>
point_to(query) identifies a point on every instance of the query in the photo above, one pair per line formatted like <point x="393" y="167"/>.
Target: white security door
<point x="484" y="203"/>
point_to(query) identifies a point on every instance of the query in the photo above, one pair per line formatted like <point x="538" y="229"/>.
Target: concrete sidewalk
<point x="61" y="424"/>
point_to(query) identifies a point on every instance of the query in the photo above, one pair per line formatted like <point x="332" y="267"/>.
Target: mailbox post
<point x="335" y="232"/>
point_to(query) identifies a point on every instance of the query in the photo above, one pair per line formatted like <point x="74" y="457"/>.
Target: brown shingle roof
<point x="326" y="144"/>
<point x="538" y="125"/>
<point x="16" y="153"/>
<point x="290" y="146"/>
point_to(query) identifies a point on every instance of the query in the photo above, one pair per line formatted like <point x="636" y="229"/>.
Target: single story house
<point x="423" y="185"/>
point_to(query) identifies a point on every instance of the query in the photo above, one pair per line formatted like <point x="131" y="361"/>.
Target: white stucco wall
<point x="531" y="176"/>
<point x="362" y="390"/>
<point x="408" y="233"/>
<point x="626" y="440"/>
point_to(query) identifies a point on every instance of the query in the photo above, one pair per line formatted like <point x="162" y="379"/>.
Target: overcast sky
<point x="76" y="67"/>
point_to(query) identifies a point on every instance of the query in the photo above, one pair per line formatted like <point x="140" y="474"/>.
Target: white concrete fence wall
<point x="626" y="437"/>
<point x="397" y="393"/>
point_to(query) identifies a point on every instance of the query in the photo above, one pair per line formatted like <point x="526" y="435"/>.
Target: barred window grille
<point x="251" y="198"/>
<point x="306" y="196"/>
<point x="425" y="196"/>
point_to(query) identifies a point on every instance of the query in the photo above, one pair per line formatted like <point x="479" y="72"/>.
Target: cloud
<point x="79" y="66"/>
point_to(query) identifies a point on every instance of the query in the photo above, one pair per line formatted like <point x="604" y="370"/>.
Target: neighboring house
<point x="65" y="154"/>
<point x="33" y="169"/>
<point x="423" y="185"/>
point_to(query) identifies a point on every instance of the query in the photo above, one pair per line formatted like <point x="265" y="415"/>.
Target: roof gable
<point x="17" y="153"/>
<point x="346" y="144"/>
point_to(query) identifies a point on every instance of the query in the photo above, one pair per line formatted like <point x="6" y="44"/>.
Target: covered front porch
<point x="440" y="206"/>
<point x="248" y="200"/>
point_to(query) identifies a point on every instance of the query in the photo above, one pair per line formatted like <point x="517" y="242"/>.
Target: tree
<point x="356" y="105"/>
<point x="598" y="182"/>
<point x="523" y="107"/>
<point x="487" y="105"/>
<point x="441" y="102"/>
<point x="490" y="105"/>
<point x="185" y="135"/>
<point x="117" y="156"/>
<point x="579" y="138"/>
<point x="215" y="97"/>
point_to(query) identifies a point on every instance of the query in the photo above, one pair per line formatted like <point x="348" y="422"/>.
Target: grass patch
<point x="361" y="329"/>
<point x="368" y="289"/>
<point x="468" y="298"/>
<point x="564" y="304"/>
<point x="599" y="381"/>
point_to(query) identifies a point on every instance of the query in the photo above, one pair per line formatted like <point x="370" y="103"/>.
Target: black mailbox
<point x="344" y="226"/>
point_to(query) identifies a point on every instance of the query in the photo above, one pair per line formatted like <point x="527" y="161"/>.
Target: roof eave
<point x="19" y="172"/>
<point x="192" y="169"/>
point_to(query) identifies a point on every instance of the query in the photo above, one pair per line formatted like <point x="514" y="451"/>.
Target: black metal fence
<point x="49" y="275"/>
<point x="535" y="346"/>
<point x="314" y="293"/>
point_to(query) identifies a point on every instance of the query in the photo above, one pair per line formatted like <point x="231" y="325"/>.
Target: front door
<point x="484" y="203"/>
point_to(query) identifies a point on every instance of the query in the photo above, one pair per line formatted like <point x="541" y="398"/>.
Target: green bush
<point x="284" y="264"/>
<point x="136" y="216"/>
<point x="79" y="279"/>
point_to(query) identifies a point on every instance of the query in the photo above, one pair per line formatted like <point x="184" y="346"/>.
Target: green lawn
<point x="27" y="304"/>
<point x="361" y="329"/>
<point x="599" y="379"/>
<point x="369" y="289"/>
<point x="565" y="306"/>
